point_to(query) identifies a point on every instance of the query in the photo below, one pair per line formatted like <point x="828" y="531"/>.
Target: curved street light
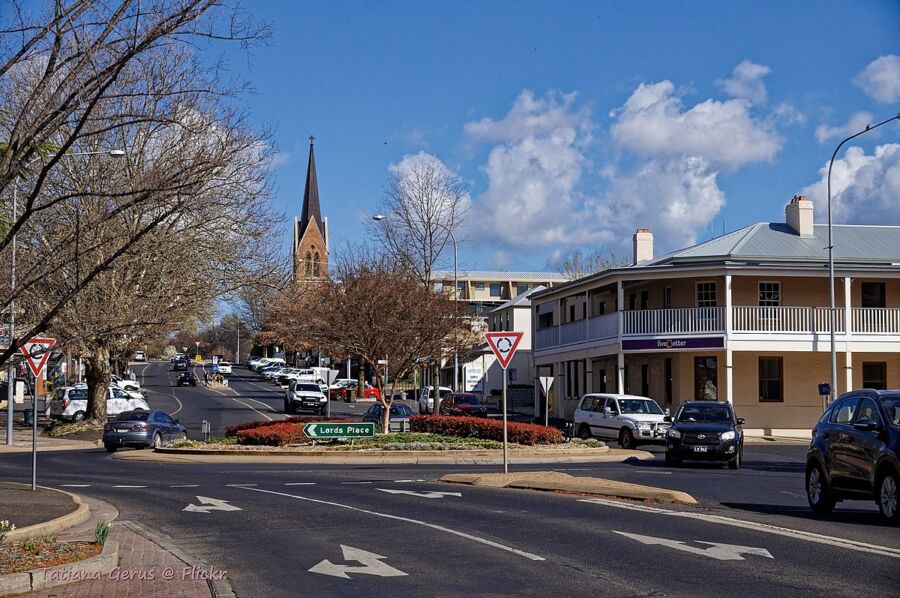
<point x="832" y="309"/>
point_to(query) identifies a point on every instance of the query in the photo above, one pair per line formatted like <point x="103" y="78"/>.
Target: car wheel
<point x="110" y="448"/>
<point x="626" y="439"/>
<point x="735" y="463"/>
<point x="886" y="496"/>
<point x="157" y="441"/>
<point x="584" y="432"/>
<point x="817" y="491"/>
<point x="79" y="416"/>
<point x="672" y="461"/>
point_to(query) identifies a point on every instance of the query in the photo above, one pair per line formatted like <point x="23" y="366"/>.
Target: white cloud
<point x="535" y="117"/>
<point x="279" y="159"/>
<point x="881" y="79"/>
<point x="653" y="121"/>
<point x="864" y="187"/>
<point x="500" y="260"/>
<point x="747" y="82"/>
<point x="857" y="122"/>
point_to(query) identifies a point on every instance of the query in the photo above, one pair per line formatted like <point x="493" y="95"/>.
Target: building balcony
<point x="746" y="321"/>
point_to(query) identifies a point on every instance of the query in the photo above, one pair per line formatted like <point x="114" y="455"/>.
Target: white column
<point x="848" y="314"/>
<point x="729" y="376"/>
<point x="728" y="310"/>
<point x="620" y="373"/>
<point x="560" y="394"/>
<point x="588" y="373"/>
<point x="620" y="313"/>
<point x="848" y="369"/>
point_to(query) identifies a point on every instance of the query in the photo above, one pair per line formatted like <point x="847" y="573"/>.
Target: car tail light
<point x="139" y="427"/>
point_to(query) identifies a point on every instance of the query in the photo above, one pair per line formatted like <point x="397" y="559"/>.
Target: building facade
<point x="742" y="318"/>
<point x="485" y="290"/>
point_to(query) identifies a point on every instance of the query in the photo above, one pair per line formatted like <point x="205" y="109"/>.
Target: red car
<point x="341" y="394"/>
<point x="463" y="403"/>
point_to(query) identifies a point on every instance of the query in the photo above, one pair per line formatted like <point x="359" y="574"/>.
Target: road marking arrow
<point x="210" y="504"/>
<point x="428" y="494"/>
<point x="371" y="565"/>
<point x="721" y="552"/>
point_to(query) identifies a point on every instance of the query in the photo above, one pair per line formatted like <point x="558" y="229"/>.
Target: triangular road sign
<point x="37" y="352"/>
<point x="504" y="345"/>
<point x="546" y="383"/>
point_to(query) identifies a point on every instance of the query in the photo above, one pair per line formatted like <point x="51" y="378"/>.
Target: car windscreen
<point x="401" y="410"/>
<point x="707" y="414"/>
<point x="131" y="416"/>
<point x="465" y="400"/>
<point x="308" y="388"/>
<point x="78" y="394"/>
<point x="891" y="404"/>
<point x="639" y="406"/>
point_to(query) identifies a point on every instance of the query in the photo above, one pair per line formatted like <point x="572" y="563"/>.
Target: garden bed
<point x="16" y="557"/>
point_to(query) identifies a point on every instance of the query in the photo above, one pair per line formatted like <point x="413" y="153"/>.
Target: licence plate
<point x="121" y="430"/>
<point x="699" y="449"/>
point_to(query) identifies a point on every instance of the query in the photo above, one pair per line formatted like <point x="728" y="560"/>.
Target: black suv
<point x="853" y="453"/>
<point x="705" y="431"/>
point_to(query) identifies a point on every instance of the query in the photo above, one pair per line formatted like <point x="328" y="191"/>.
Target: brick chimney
<point x="799" y="215"/>
<point x="643" y="245"/>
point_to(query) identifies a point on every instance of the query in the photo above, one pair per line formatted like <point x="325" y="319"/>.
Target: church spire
<point x="311" y="209"/>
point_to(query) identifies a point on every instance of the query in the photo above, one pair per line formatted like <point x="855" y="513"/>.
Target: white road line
<point x="252" y="408"/>
<point x="752" y="525"/>
<point x="439" y="528"/>
<point x="408" y="481"/>
<point x="239" y="485"/>
<point x="356" y="482"/>
<point x="269" y="407"/>
<point x="185" y="486"/>
<point x="74" y="485"/>
<point x="128" y="486"/>
<point x="300" y="484"/>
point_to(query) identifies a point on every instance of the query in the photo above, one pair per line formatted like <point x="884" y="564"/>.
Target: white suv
<point x="70" y="403"/>
<point x="426" y="399"/>
<point x="629" y="419"/>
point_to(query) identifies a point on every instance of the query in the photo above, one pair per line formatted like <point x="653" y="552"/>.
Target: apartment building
<point x="485" y="290"/>
<point x="742" y="318"/>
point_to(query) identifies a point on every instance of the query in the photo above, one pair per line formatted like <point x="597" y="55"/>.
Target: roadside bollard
<point x="204" y="429"/>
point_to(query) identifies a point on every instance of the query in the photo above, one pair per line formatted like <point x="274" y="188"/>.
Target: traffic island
<point x="555" y="481"/>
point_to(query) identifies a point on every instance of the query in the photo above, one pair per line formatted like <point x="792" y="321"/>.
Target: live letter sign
<point x="36" y="352"/>
<point x="504" y="345"/>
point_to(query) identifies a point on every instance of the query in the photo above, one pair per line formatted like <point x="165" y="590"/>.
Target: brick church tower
<point x="310" y="231"/>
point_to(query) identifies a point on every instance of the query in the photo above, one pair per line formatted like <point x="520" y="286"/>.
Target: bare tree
<point x="423" y="204"/>
<point x="85" y="76"/>
<point x="578" y="265"/>
<point x="377" y="311"/>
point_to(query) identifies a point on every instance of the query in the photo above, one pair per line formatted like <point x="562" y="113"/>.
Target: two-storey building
<point x="743" y="318"/>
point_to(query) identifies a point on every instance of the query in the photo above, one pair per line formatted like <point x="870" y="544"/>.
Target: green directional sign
<point x="339" y="430"/>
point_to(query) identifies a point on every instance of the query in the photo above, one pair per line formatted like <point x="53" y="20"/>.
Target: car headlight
<point x="322" y="399"/>
<point x="673" y="433"/>
<point x="727" y="435"/>
<point x="644" y="425"/>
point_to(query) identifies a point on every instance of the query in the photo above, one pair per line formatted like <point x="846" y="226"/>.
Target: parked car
<point x="180" y="365"/>
<point x="70" y="403"/>
<point x="139" y="356"/>
<point x="342" y="393"/>
<point x="463" y="403"/>
<point x="305" y="395"/>
<point x="258" y="364"/>
<point x="224" y="367"/>
<point x="426" y="400"/>
<point x="705" y="431"/>
<point x="853" y="452"/>
<point x="269" y="372"/>
<point x="398" y="419"/>
<point x="630" y="419"/>
<point x="142" y="429"/>
<point x="134" y="394"/>
<point x="186" y="379"/>
<point x="125" y="384"/>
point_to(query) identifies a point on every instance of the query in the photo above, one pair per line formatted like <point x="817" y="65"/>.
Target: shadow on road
<point x="852" y="516"/>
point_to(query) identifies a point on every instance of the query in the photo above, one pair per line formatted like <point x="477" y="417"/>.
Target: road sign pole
<point x="34" y="418"/>
<point x="505" y="458"/>
<point x="10" y="395"/>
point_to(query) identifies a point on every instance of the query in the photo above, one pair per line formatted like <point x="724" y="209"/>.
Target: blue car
<point x="142" y="429"/>
<point x="853" y="453"/>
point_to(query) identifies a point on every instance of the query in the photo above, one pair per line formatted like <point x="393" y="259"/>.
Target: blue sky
<point x="572" y="123"/>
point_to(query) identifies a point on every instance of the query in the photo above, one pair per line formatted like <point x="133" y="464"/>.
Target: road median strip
<point x="554" y="481"/>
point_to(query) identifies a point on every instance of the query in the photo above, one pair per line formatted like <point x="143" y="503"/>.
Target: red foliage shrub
<point x="487" y="429"/>
<point x="274" y="434"/>
<point x="233" y="430"/>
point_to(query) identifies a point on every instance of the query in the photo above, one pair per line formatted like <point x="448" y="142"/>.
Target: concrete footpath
<point x="135" y="561"/>
<point x="555" y="481"/>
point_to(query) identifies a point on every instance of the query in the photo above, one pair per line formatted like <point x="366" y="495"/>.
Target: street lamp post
<point x="379" y="218"/>
<point x="832" y="309"/>
<point x="11" y="373"/>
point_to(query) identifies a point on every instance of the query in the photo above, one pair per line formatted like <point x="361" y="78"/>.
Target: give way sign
<point x="504" y="345"/>
<point x="36" y="352"/>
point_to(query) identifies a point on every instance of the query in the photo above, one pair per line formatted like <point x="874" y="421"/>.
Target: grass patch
<point x="589" y="443"/>
<point x="203" y="443"/>
<point x="81" y="429"/>
<point x="420" y="441"/>
<point x="44" y="552"/>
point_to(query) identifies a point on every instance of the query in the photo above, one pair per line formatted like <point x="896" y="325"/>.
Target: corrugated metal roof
<point x="485" y="276"/>
<point x="775" y="242"/>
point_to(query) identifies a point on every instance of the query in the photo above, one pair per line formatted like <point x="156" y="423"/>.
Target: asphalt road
<point x="313" y="530"/>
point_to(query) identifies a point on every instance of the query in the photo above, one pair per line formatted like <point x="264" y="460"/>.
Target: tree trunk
<point x="436" y="386"/>
<point x="361" y="381"/>
<point x="97" y="375"/>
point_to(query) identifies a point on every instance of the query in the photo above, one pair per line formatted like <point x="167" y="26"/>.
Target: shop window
<point x="706" y="379"/>
<point x="706" y="294"/>
<point x="645" y="380"/>
<point x="873" y="294"/>
<point x="668" y="376"/>
<point x="875" y="375"/>
<point x="771" y="379"/>
<point x="769" y="294"/>
<point x="602" y="377"/>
